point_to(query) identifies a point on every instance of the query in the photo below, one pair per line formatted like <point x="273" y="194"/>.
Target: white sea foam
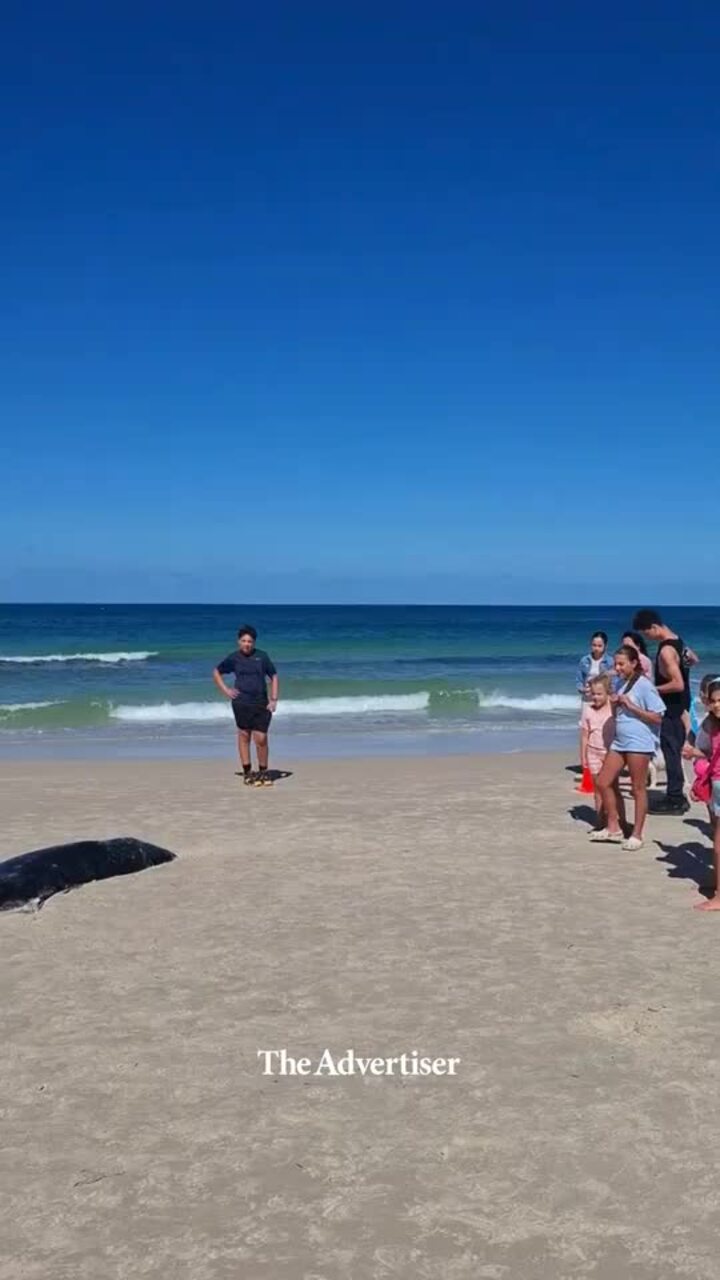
<point x="38" y="659"/>
<point x="26" y="706"/>
<point x="358" y="704"/>
<point x="166" y="712"/>
<point x="543" y="703"/>
<point x="355" y="705"/>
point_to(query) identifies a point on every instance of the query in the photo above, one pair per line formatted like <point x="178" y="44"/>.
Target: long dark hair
<point x="713" y="683"/>
<point x="637" y="639"/>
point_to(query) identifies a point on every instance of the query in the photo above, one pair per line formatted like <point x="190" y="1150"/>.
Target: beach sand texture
<point x="453" y="906"/>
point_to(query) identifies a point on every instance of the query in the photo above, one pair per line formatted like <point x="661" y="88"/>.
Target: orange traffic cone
<point x="586" y="787"/>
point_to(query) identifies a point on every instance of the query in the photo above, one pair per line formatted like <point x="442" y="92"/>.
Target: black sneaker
<point x="678" y="807"/>
<point x="263" y="779"/>
<point x="249" y="779"/>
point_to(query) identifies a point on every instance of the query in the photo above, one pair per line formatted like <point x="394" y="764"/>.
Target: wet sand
<point x="452" y="906"/>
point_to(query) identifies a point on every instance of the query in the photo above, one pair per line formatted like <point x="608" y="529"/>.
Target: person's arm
<point x="217" y="677"/>
<point x="271" y="675"/>
<point x="580" y="679"/>
<point x="691" y="750"/>
<point x="274" y="692"/>
<point x="671" y="666"/>
<point x="584" y="735"/>
<point x="648" y="716"/>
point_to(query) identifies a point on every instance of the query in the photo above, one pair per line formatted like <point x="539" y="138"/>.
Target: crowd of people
<point x="633" y="712"/>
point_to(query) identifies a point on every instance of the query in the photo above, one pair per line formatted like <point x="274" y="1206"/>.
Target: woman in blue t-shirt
<point x="639" y="710"/>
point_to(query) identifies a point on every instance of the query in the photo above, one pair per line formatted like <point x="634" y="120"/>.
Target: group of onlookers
<point x="632" y="709"/>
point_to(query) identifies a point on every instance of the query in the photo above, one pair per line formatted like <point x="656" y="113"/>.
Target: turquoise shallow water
<point x="135" y="680"/>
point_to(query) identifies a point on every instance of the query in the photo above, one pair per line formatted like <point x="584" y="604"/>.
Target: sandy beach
<point x="452" y="906"/>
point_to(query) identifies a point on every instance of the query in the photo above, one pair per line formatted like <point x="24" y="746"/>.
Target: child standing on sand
<point x="697" y="746"/>
<point x="595" y="663"/>
<point x="639" y="711"/>
<point x="597" y="730"/>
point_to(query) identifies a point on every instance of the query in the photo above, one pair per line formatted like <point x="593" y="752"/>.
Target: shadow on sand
<point x="689" y="862"/>
<point x="582" y="813"/>
<point x="703" y="827"/>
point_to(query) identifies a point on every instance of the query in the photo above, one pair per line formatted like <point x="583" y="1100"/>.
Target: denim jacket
<point x="607" y="665"/>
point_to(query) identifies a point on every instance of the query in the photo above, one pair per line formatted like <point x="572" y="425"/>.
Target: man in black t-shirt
<point x="672" y="679"/>
<point x="252" y="707"/>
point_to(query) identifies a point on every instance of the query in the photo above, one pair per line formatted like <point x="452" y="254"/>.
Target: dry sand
<point x="453" y="906"/>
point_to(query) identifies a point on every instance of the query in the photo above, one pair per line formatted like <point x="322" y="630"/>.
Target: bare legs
<point x="637" y="764"/>
<point x="261" y="747"/>
<point x="244" y="747"/>
<point x="713" y="904"/>
<point x="600" y="815"/>
<point x="607" y="783"/>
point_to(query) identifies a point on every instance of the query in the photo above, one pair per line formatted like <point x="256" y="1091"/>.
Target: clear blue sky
<point x="360" y="302"/>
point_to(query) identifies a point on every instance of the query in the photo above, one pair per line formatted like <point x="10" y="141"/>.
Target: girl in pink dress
<point x="597" y="730"/>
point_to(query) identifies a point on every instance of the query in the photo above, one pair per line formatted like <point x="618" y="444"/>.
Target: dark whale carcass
<point x="33" y="877"/>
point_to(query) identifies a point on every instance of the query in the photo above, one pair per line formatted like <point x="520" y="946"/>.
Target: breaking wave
<point x="39" y="659"/>
<point x="8" y="708"/>
<point x="354" y="705"/>
<point x="166" y="712"/>
<point x="544" y="702"/>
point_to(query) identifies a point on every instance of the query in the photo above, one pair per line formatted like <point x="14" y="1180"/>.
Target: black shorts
<point x="252" y="718"/>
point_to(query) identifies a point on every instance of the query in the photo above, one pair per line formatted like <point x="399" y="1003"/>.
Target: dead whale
<point x="34" y="877"/>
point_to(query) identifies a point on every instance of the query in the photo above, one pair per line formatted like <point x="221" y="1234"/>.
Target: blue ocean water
<point x="135" y="680"/>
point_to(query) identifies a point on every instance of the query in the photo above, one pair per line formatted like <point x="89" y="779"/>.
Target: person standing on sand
<point x="672" y="681"/>
<point x="252" y="708"/>
<point x="638" y="715"/>
<point x="597" y="662"/>
<point x="637" y="641"/>
<point x="698" y="745"/>
<point x="598" y="732"/>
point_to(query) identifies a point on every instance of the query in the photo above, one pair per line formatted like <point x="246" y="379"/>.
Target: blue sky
<point x="359" y="302"/>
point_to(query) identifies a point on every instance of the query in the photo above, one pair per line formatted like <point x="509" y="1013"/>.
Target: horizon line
<point x="356" y="604"/>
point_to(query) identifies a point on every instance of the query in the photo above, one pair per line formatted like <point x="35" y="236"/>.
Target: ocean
<point x="133" y="681"/>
